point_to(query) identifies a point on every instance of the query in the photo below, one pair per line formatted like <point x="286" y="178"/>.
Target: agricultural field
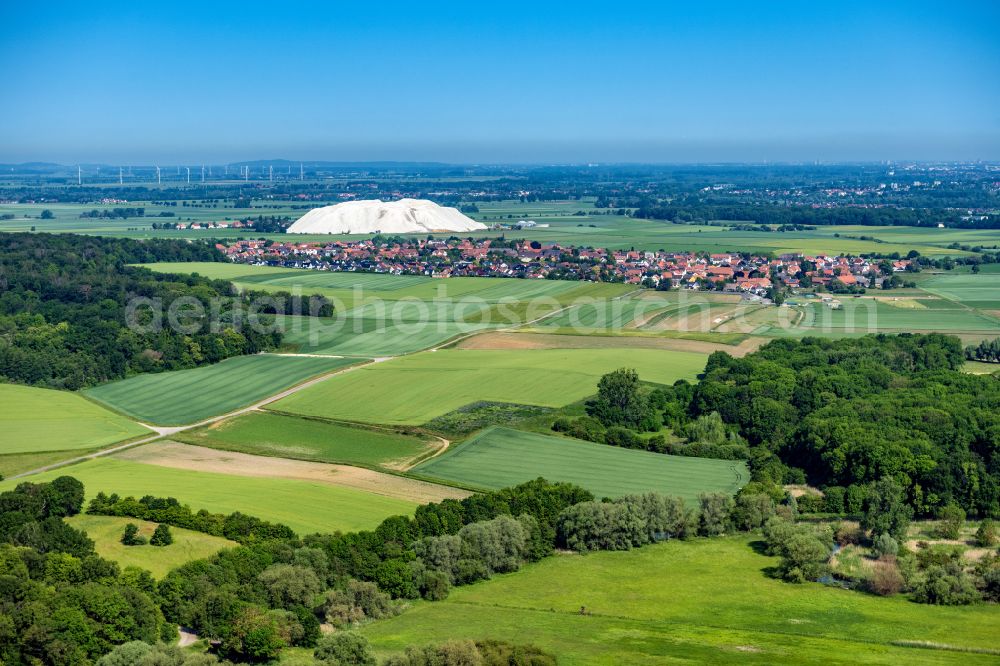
<point x="351" y="289"/>
<point x="382" y="315"/>
<point x="305" y="506"/>
<point x="701" y="601"/>
<point x="268" y="434"/>
<point x="106" y="531"/>
<point x="188" y="396"/>
<point x="867" y="315"/>
<point x="610" y="314"/>
<point x="415" y="389"/>
<point x="500" y="457"/>
<point x="734" y="345"/>
<point x="367" y="336"/>
<point x="193" y="458"/>
<point x="34" y="420"/>
<point x="980" y="291"/>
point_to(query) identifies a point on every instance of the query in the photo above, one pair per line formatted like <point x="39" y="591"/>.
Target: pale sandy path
<point x="167" y="453"/>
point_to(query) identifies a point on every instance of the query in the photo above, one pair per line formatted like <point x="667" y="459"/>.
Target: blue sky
<point x="499" y="82"/>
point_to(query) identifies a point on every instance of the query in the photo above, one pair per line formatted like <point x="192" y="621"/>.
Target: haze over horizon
<point x="734" y="82"/>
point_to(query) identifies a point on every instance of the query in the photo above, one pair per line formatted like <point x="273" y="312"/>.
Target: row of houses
<point x="737" y="272"/>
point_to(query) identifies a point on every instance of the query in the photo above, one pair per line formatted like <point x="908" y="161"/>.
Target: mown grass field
<point x="704" y="601"/>
<point x="304" y="506"/>
<point x="106" y="531"/>
<point x="414" y="389"/>
<point x="187" y="396"/>
<point x="281" y="436"/>
<point x="501" y="457"/>
<point x="33" y="420"/>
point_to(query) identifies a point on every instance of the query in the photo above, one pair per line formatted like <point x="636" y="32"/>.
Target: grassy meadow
<point x="276" y="435"/>
<point x="34" y="420"/>
<point x="500" y="457"/>
<point x="305" y="506"/>
<point x="187" y="396"/>
<point x="703" y="601"/>
<point x="106" y="531"/>
<point x="414" y="389"/>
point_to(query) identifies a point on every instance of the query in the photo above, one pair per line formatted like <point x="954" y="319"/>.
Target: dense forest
<point x="838" y="414"/>
<point x="64" y="311"/>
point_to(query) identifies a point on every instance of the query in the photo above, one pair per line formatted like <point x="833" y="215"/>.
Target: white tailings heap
<point x="405" y="216"/>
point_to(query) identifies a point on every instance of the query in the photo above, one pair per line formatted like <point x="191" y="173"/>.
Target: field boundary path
<point x="167" y="431"/>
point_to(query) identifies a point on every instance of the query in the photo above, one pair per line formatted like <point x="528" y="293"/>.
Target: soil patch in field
<point x="498" y="340"/>
<point x="198" y="458"/>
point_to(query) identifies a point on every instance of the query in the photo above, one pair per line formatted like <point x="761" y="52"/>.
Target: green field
<point x="106" y="531"/>
<point x="349" y="289"/>
<point x="304" y="506"/>
<point x="415" y="389"/>
<point x="187" y="396"/>
<point x="281" y="436"/>
<point x="501" y="457"/>
<point x="34" y="420"/>
<point x="360" y="336"/>
<point x="864" y="315"/>
<point x="981" y="368"/>
<point x="981" y="291"/>
<point x="707" y="601"/>
<point x="617" y="313"/>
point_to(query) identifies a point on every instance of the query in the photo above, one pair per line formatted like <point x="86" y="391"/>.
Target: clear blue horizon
<point x="513" y="82"/>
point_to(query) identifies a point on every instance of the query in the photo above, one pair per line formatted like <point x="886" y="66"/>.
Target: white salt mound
<point x="388" y="217"/>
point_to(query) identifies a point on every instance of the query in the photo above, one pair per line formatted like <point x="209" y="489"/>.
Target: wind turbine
<point x="79" y="175"/>
<point x="121" y="181"/>
<point x="302" y="173"/>
<point x="270" y="173"/>
<point x="157" y="175"/>
<point x="203" y="173"/>
<point x="189" y="174"/>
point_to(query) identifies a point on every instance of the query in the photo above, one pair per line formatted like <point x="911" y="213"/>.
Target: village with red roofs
<point x="731" y="272"/>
